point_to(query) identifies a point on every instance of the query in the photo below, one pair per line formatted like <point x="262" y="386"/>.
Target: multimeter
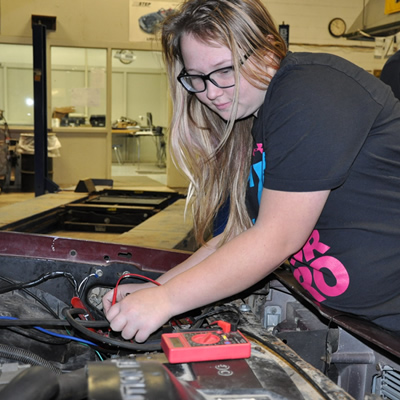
<point x="182" y="347"/>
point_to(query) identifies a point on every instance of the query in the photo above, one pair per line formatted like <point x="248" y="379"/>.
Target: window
<point x="16" y="83"/>
<point x="139" y="86"/>
<point x="78" y="86"/>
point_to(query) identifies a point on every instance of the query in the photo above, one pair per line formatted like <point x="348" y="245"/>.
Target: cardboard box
<point x="61" y="112"/>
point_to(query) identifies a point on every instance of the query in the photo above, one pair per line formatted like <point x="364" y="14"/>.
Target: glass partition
<point x="16" y="83"/>
<point x="78" y="86"/>
<point x="139" y="87"/>
<point x="139" y="97"/>
<point x="140" y="103"/>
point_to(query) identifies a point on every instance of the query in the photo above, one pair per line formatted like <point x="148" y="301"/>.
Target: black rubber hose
<point x="33" y="383"/>
<point x="26" y="357"/>
<point x="73" y="385"/>
<point x="68" y="313"/>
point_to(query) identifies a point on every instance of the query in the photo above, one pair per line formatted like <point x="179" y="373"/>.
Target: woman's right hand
<point x="122" y="292"/>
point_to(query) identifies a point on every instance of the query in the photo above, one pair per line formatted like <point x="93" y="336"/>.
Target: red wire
<point x="114" y="299"/>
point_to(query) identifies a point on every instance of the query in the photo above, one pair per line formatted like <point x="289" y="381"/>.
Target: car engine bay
<point x="56" y="344"/>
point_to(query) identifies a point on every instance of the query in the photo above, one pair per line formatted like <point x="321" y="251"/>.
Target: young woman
<point x="306" y="149"/>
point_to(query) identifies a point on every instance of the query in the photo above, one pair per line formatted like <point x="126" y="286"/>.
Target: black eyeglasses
<point x="222" y="78"/>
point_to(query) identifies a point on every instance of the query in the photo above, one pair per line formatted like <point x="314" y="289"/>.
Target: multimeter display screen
<point x="176" y="342"/>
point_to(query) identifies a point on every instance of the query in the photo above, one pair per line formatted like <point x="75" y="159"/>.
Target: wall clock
<point x="337" y="27"/>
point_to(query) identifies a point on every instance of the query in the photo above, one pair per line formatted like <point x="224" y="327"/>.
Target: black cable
<point x="38" y="333"/>
<point x="26" y="357"/>
<point x="82" y="286"/>
<point x="219" y="310"/>
<point x="38" y="336"/>
<point x="36" y="298"/>
<point x="42" y="278"/>
<point x="68" y="313"/>
<point x="200" y="319"/>
<point x="51" y="323"/>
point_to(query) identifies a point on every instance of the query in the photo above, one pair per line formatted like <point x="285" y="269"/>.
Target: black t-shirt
<point x="326" y="124"/>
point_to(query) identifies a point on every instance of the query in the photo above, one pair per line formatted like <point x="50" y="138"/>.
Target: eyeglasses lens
<point x="222" y="78"/>
<point x="194" y="83"/>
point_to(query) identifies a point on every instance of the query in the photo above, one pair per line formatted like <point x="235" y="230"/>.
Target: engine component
<point x="299" y="350"/>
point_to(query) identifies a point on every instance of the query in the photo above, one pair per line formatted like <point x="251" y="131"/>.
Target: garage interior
<point x="98" y="199"/>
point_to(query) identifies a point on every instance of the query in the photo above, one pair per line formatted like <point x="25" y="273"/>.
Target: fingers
<point x="107" y="300"/>
<point x="113" y="311"/>
<point x="141" y="336"/>
<point x="136" y="317"/>
<point x="128" y="331"/>
<point x="120" y="322"/>
<point x="123" y="291"/>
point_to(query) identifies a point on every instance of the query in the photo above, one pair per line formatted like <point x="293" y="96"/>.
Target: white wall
<point x="308" y="21"/>
<point x="105" y="24"/>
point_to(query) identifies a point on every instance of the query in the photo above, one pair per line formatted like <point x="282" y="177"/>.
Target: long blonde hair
<point x="213" y="153"/>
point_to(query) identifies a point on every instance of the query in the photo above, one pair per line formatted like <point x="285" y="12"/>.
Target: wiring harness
<point x="81" y="327"/>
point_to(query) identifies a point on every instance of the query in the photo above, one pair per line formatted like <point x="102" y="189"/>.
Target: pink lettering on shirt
<point x="312" y="277"/>
<point x="304" y="276"/>
<point x="338" y="271"/>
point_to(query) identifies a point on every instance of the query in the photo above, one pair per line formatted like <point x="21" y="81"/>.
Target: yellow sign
<point x="392" y="6"/>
